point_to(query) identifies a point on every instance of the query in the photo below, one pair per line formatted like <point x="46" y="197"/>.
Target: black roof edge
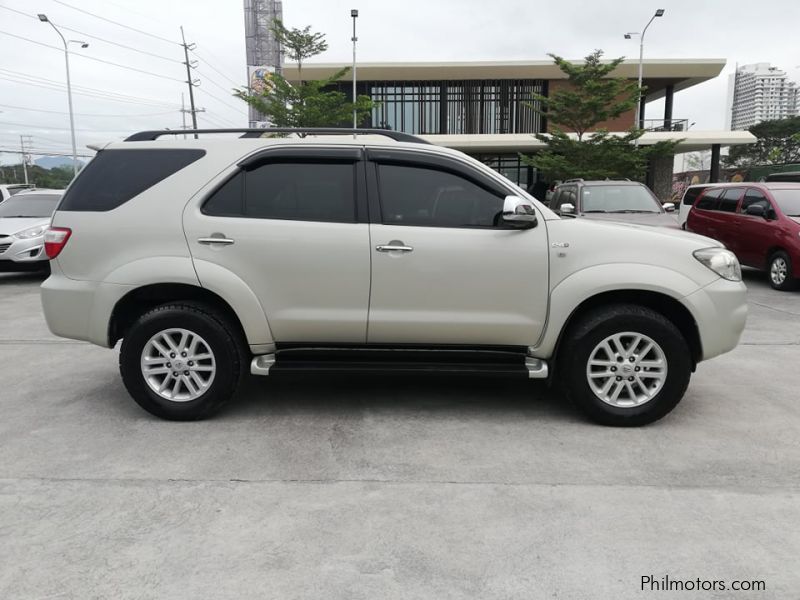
<point x="398" y="136"/>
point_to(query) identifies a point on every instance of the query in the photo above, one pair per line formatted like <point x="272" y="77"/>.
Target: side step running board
<point x="270" y="364"/>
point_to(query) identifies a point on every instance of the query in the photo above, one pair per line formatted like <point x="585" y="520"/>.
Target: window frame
<point x="766" y="196"/>
<point x="428" y="161"/>
<point x="722" y="198"/>
<point x="300" y="154"/>
<point x="706" y="192"/>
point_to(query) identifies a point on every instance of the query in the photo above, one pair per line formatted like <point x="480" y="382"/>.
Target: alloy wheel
<point x="178" y="365"/>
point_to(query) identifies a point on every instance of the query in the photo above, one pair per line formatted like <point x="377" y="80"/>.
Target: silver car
<point x="23" y="220"/>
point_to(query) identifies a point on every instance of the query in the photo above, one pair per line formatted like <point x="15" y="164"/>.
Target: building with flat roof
<point x="761" y="92"/>
<point x="483" y="108"/>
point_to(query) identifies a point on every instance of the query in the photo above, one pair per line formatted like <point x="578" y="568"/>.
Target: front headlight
<point x="31" y="232"/>
<point x="723" y="262"/>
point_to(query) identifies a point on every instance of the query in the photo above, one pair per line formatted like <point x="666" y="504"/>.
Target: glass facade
<point x="454" y="107"/>
<point x="511" y="167"/>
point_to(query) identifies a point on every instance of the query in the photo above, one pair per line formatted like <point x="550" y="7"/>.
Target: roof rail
<point x="398" y="136"/>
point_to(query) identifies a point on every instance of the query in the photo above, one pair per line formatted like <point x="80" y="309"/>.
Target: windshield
<point x="618" y="198"/>
<point x="29" y="205"/>
<point x="788" y="201"/>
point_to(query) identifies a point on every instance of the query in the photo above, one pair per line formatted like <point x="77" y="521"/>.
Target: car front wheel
<point x="625" y="365"/>
<point x="780" y="272"/>
<point x="181" y="361"/>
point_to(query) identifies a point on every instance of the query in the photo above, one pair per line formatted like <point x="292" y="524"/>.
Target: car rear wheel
<point x="780" y="272"/>
<point x="181" y="362"/>
<point x="625" y="365"/>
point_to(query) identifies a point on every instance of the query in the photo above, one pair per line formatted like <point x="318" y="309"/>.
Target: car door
<point x="292" y="225"/>
<point x="445" y="267"/>
<point x="758" y="234"/>
<point x="727" y="219"/>
<point x="702" y="218"/>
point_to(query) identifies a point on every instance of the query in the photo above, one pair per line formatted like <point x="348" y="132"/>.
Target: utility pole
<point x="189" y="66"/>
<point x="185" y="111"/>
<point x="23" y="139"/>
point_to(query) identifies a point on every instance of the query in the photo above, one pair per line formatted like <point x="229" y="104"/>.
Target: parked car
<point x="24" y="218"/>
<point x="627" y="201"/>
<point x="759" y="222"/>
<point x="376" y="253"/>
<point x="690" y="196"/>
<point x="9" y="189"/>
<point x="787" y="176"/>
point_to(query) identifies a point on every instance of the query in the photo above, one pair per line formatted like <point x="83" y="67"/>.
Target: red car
<point x="759" y="222"/>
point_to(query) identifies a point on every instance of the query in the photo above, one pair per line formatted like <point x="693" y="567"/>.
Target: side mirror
<point x="567" y="210"/>
<point x="757" y="210"/>
<point x="519" y="212"/>
<point x="669" y="206"/>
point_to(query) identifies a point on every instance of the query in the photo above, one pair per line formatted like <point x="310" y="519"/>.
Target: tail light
<point x="55" y="238"/>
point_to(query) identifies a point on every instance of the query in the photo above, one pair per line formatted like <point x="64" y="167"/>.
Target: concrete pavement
<point x="392" y="488"/>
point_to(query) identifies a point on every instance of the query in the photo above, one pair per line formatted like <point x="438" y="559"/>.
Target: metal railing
<point x="665" y="124"/>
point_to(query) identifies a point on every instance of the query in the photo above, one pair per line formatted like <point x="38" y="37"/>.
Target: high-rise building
<point x="263" y="50"/>
<point x="760" y="92"/>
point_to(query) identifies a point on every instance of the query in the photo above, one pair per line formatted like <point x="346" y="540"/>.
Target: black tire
<point x="221" y="338"/>
<point x="788" y="282"/>
<point x="596" y="326"/>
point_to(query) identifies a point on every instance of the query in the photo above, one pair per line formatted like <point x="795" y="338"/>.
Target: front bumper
<point x="22" y="255"/>
<point x="720" y="311"/>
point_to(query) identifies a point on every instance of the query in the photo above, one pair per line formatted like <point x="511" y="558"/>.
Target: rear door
<point x="445" y="268"/>
<point x="292" y="225"/>
<point x="702" y="218"/>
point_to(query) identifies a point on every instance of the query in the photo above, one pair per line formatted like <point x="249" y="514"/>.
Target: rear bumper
<point x="80" y="310"/>
<point x="720" y="311"/>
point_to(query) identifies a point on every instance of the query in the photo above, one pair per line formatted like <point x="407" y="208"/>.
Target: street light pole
<point x="658" y="13"/>
<point x="354" y="14"/>
<point x="44" y="19"/>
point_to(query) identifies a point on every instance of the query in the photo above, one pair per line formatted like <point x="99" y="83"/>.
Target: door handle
<point x="215" y="240"/>
<point x="390" y="248"/>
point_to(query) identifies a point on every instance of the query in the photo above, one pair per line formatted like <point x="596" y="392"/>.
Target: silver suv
<point x="371" y="251"/>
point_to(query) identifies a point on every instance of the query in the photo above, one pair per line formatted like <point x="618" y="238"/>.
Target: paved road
<point x="372" y="488"/>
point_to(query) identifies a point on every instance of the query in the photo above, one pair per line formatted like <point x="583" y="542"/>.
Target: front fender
<point x="586" y="283"/>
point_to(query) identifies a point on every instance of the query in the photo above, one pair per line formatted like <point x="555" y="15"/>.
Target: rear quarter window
<point x="691" y="195"/>
<point x="709" y="200"/>
<point x="115" y="176"/>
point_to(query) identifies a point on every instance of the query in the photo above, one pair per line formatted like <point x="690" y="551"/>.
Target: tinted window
<point x="29" y="205"/>
<point x="752" y="197"/>
<point x="730" y="199"/>
<point x="691" y="195"/>
<point x="709" y="200"/>
<point x="115" y="176"/>
<point x="302" y="191"/>
<point x="228" y="200"/>
<point x="429" y="197"/>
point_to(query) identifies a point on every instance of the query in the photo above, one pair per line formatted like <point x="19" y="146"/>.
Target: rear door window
<point x="691" y="195"/>
<point x="115" y="176"/>
<point x="709" y="200"/>
<point x="730" y="200"/>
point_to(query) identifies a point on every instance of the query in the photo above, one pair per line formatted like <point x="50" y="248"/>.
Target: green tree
<point x="591" y="96"/>
<point x="299" y="44"/>
<point x="57" y="178"/>
<point x="777" y="142"/>
<point x="306" y="103"/>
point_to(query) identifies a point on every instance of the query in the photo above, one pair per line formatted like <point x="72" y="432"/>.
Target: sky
<point x="140" y="83"/>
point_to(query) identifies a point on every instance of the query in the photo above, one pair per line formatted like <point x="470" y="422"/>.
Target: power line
<point x="100" y="60"/>
<point x="29" y="126"/>
<point x="207" y="78"/>
<point x="58" y="112"/>
<point x="221" y="101"/>
<point x="96" y="37"/>
<point x="147" y="33"/>
<point x="37" y="152"/>
<point x="213" y="68"/>
<point x="92" y="91"/>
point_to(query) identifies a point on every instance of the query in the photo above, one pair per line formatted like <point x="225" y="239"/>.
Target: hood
<point x="641" y="233"/>
<point x="12" y="225"/>
<point x="795" y="219"/>
<point x="652" y="219"/>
